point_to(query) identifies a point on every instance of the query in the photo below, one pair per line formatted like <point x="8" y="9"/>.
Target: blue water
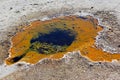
<point x="56" y="37"/>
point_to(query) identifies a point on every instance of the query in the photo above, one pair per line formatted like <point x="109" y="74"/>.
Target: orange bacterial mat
<point x="35" y="42"/>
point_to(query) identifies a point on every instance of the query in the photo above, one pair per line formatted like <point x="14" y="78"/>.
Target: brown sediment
<point x="86" y="30"/>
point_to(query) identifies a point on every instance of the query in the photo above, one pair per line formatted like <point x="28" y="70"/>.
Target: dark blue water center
<point x="56" y="37"/>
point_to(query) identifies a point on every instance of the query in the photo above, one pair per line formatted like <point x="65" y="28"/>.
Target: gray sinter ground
<point x="74" y="67"/>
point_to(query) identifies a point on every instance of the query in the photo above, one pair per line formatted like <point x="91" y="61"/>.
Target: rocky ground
<point x="15" y="13"/>
<point x="72" y="67"/>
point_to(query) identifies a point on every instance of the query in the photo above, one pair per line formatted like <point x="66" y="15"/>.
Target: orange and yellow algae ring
<point x="53" y="38"/>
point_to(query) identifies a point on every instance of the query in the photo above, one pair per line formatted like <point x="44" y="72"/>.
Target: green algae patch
<point x="54" y="38"/>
